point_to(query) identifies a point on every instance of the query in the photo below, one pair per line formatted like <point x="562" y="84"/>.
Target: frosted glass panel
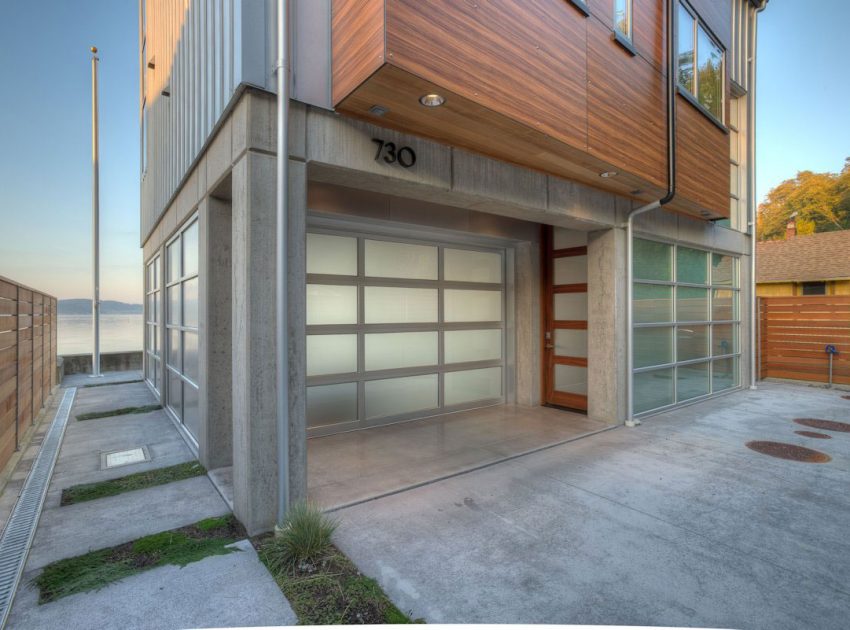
<point x="472" y="306"/>
<point x="191" y="411"/>
<point x="691" y="304"/>
<point x="174" y="261"/>
<point x="462" y="346"/>
<point x="331" y="304"/>
<point x="571" y="343"/>
<point x="724" y="374"/>
<point x="724" y="339"/>
<point x="472" y="385"/>
<point x="692" y="381"/>
<point x="692" y="265"/>
<point x="190" y="355"/>
<point x="190" y="250"/>
<point x="173" y="315"/>
<point x="571" y="270"/>
<point x="400" y="260"/>
<point x="691" y="342"/>
<point x="571" y="306"/>
<point x="328" y="254"/>
<point x="463" y="265"/>
<point x="331" y="404"/>
<point x="724" y="304"/>
<point x="393" y="305"/>
<point x="190" y="303"/>
<point x="396" y="396"/>
<point x="653" y="303"/>
<point x="564" y="238"/>
<point x="652" y="260"/>
<point x="571" y="379"/>
<point x="653" y="346"/>
<point x="399" y="350"/>
<point x="653" y="389"/>
<point x="173" y="357"/>
<point x="723" y="270"/>
<point x="331" y="354"/>
<point x="175" y="394"/>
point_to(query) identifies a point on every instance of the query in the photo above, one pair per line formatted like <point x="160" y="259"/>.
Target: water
<point x="118" y="333"/>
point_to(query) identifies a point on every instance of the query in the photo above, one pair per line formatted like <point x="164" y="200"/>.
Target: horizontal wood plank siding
<point x="358" y="43"/>
<point x="794" y="333"/>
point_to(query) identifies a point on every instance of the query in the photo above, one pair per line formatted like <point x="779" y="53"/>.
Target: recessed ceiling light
<point x="608" y="174"/>
<point x="431" y="100"/>
<point x="378" y="110"/>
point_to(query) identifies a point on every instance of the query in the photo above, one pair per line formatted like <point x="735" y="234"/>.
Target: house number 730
<point x="391" y="154"/>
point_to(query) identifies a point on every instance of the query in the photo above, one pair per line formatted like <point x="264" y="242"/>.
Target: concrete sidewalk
<point x="674" y="523"/>
<point x="224" y="590"/>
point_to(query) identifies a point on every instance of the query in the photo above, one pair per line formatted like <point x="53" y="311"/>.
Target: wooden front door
<point x="565" y="318"/>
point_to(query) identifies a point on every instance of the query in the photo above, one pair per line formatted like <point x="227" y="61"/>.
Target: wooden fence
<point x="794" y="333"/>
<point x="27" y="360"/>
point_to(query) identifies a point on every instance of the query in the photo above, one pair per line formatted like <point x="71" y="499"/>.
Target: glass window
<point x="724" y="304"/>
<point x="400" y="260"/>
<point x="462" y="346"/>
<point x="724" y="339"/>
<point x="692" y="381"/>
<point x="190" y="303"/>
<point x="174" y="269"/>
<point x="191" y="408"/>
<point x="653" y="346"/>
<point x="331" y="304"/>
<point x="570" y="306"/>
<point x="691" y="265"/>
<point x="653" y="303"/>
<point x="623" y="17"/>
<point x="687" y="49"/>
<point x="398" y="396"/>
<point x="400" y="305"/>
<point x="173" y="356"/>
<point x="691" y="342"/>
<point x="724" y="374"/>
<point x="571" y="379"/>
<point x="333" y="255"/>
<point x="571" y="270"/>
<point x="190" y="250"/>
<point x="175" y="393"/>
<point x="331" y="354"/>
<point x="709" y="74"/>
<point x="571" y="343"/>
<point x="464" y="265"/>
<point x="389" y="351"/>
<point x="814" y="288"/>
<point x="691" y="304"/>
<point x="190" y="356"/>
<point x="473" y="385"/>
<point x="331" y="404"/>
<point x="723" y="271"/>
<point x="653" y="389"/>
<point x="472" y="306"/>
<point x="652" y="260"/>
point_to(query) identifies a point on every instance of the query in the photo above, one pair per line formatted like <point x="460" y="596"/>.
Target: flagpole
<point x="95" y="303"/>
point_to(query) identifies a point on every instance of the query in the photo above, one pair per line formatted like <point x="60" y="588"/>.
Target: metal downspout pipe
<point x="281" y="270"/>
<point x="671" y="193"/>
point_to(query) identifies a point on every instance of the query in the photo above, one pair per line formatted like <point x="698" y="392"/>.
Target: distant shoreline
<point x="107" y="307"/>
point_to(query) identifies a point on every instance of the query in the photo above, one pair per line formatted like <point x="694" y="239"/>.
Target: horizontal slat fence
<point x="794" y="333"/>
<point x="27" y="360"/>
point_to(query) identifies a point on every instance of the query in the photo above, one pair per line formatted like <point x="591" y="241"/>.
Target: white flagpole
<point x="95" y="303"/>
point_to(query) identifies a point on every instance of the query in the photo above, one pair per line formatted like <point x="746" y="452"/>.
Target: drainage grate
<point x="17" y="536"/>
<point x="789" y="451"/>
<point x="824" y="425"/>
<point x="814" y="434"/>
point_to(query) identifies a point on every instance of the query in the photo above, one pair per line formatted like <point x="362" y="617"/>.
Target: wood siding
<point x="358" y="48"/>
<point x="27" y="360"/>
<point x="572" y="100"/>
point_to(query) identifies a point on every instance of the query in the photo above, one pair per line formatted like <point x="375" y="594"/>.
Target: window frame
<point x="693" y="97"/>
<point x="629" y="5"/>
<point x="815" y="284"/>
<point x="153" y="356"/>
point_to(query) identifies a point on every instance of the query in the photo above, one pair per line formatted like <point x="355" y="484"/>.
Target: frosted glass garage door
<point x="400" y="329"/>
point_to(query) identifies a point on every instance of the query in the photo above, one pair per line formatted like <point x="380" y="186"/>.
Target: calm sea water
<point x="118" y="333"/>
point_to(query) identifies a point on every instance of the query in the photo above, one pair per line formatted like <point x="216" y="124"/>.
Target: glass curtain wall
<point x="182" y="327"/>
<point x="153" y="300"/>
<point x="397" y="330"/>
<point x="686" y="324"/>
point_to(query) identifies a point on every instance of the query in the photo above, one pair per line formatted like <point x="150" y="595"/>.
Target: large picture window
<point x="181" y="323"/>
<point x="153" y="301"/>
<point x="701" y="64"/>
<point x="686" y="324"/>
<point x="400" y="329"/>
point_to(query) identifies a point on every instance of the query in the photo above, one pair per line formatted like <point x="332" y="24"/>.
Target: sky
<point x="45" y="130"/>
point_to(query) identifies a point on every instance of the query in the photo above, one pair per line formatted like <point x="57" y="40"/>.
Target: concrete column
<point x="527" y="323"/>
<point x="253" y="351"/>
<point x="606" y="325"/>
<point x="215" y="438"/>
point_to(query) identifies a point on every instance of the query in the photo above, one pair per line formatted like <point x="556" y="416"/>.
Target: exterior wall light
<point x="608" y="174"/>
<point x="432" y="100"/>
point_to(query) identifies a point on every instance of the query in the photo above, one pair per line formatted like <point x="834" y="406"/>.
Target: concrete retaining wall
<point x="109" y="362"/>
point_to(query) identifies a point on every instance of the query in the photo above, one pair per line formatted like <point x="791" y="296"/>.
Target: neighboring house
<point x="459" y="180"/>
<point x="811" y="264"/>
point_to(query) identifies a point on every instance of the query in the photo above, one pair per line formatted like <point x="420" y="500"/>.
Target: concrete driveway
<point x="673" y="523"/>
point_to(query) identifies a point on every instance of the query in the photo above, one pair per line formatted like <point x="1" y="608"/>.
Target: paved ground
<point x="673" y="523"/>
<point x="230" y="590"/>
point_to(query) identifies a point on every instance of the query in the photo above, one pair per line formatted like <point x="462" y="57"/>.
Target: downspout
<point x="671" y="193"/>
<point x="282" y="213"/>
<point x="751" y="200"/>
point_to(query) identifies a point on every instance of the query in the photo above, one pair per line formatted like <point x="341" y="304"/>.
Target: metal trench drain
<point x="20" y="529"/>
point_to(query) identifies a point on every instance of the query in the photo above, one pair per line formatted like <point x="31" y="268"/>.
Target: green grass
<point x="123" y="411"/>
<point x="322" y="585"/>
<point x="138" y="380"/>
<point x="136" y="481"/>
<point x="97" y="569"/>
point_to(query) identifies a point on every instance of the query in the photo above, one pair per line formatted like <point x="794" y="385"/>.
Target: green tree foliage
<point x="821" y="202"/>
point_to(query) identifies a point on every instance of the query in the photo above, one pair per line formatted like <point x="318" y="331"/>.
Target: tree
<point x="821" y="202"/>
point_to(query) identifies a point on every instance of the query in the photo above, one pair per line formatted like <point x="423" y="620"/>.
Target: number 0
<point x="406" y="157"/>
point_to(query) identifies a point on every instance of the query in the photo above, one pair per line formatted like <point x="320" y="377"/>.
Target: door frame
<point x="550" y="396"/>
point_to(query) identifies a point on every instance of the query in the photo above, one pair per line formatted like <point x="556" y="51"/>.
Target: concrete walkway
<point x="225" y="590"/>
<point x="673" y="523"/>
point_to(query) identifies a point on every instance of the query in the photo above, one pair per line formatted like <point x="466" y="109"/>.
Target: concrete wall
<point x="109" y="362"/>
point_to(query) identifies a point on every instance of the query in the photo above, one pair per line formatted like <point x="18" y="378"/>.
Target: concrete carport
<point x="674" y="523"/>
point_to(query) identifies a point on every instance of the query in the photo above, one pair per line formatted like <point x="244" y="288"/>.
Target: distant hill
<point x="107" y="307"/>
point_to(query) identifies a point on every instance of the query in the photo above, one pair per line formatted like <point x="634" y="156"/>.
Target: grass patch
<point x="97" y="569"/>
<point x="136" y="481"/>
<point x="322" y="585"/>
<point x="138" y="380"/>
<point x="123" y="411"/>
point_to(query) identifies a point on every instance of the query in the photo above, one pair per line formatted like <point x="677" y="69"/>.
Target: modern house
<point x="810" y="264"/>
<point x="461" y="184"/>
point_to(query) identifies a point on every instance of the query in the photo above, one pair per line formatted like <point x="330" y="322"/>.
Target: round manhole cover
<point x="814" y="434"/>
<point x="789" y="451"/>
<point x="824" y="425"/>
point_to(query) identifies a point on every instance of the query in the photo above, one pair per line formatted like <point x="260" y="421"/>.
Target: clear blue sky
<point x="45" y="172"/>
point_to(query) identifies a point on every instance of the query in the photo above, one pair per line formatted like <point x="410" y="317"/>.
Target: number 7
<point x="380" y="144"/>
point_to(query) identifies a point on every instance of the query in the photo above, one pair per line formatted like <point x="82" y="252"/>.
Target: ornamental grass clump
<point x="304" y="538"/>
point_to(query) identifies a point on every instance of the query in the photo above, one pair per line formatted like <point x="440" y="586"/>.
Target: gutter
<point x="281" y="270"/>
<point x="671" y="193"/>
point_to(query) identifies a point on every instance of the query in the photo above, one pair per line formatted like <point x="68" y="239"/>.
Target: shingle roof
<point x="809" y="258"/>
